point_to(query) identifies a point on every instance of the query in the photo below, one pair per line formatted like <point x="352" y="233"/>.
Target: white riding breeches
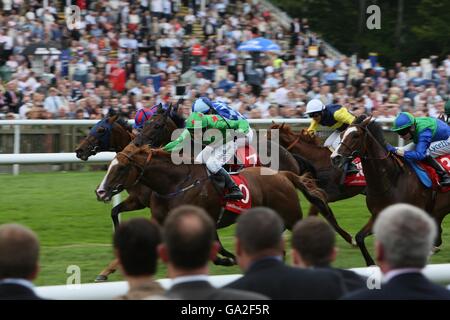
<point x="216" y="156"/>
<point x="436" y="149"/>
<point x="333" y="140"/>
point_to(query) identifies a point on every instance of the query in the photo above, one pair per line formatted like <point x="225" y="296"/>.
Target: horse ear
<point x="282" y="125"/>
<point x="366" y="121"/>
<point x="113" y="118"/>
<point x="169" y="110"/>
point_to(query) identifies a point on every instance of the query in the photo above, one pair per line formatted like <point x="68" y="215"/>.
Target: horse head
<point x="158" y="130"/>
<point x="353" y="142"/>
<point x="124" y="171"/>
<point x="109" y="134"/>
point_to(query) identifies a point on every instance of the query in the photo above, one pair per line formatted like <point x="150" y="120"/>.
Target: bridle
<point x="137" y="165"/>
<point x="360" y="153"/>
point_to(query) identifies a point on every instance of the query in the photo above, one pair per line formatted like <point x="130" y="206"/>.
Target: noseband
<point x="133" y="162"/>
<point x="362" y="152"/>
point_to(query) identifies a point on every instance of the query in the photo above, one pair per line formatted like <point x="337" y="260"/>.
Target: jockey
<point x="334" y="116"/>
<point x="431" y="138"/>
<point x="206" y="106"/>
<point x="142" y="115"/>
<point x="219" y="152"/>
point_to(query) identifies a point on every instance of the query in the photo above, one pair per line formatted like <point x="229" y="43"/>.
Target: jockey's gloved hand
<point x="391" y="148"/>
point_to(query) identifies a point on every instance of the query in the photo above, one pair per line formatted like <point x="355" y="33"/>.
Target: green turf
<point x="75" y="229"/>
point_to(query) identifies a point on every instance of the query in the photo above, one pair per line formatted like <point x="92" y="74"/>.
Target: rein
<point x="293" y="143"/>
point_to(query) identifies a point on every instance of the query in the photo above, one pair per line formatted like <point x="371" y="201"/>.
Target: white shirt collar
<point x="22" y="282"/>
<point x="190" y="278"/>
<point x="396" y="272"/>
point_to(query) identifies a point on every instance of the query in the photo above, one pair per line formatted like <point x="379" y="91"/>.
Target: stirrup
<point x="235" y="194"/>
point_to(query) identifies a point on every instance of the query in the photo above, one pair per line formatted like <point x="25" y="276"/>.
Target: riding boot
<point x="234" y="193"/>
<point x="442" y="173"/>
<point x="351" y="168"/>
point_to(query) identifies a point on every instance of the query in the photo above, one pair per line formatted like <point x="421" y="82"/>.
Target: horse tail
<point x="310" y="190"/>
<point x="305" y="166"/>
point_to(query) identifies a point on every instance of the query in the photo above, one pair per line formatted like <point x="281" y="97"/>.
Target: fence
<point x="439" y="273"/>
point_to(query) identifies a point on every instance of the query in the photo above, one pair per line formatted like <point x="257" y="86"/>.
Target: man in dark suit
<point x="404" y="236"/>
<point x="313" y="246"/>
<point x="188" y="244"/>
<point x="259" y="249"/>
<point x="19" y="255"/>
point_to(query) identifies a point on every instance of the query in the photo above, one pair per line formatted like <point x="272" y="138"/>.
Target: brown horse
<point x="329" y="178"/>
<point x="174" y="185"/>
<point x="158" y="131"/>
<point x="389" y="179"/>
<point x="114" y="134"/>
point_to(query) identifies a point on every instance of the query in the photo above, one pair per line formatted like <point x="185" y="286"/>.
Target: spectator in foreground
<point x="19" y="262"/>
<point x="404" y="236"/>
<point x="259" y="249"/>
<point x="135" y="246"/>
<point x="188" y="244"/>
<point x="314" y="246"/>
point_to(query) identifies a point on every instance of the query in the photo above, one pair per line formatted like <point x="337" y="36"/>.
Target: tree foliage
<point x="410" y="30"/>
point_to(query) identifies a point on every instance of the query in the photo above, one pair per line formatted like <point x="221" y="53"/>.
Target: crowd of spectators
<point x="186" y="243"/>
<point x="123" y="55"/>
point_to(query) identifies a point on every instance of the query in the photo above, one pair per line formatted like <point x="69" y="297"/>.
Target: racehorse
<point x="389" y="179"/>
<point x="158" y="131"/>
<point x="114" y="134"/>
<point x="174" y="185"/>
<point x="328" y="177"/>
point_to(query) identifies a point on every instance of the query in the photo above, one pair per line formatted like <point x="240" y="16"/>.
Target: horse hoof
<point x="226" y="262"/>
<point x="100" y="278"/>
<point x="435" y="250"/>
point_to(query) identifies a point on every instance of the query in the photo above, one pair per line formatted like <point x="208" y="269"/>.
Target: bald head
<point x="19" y="252"/>
<point x="189" y="236"/>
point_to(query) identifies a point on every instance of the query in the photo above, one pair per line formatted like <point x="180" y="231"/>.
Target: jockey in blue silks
<point x="205" y="106"/>
<point x="431" y="139"/>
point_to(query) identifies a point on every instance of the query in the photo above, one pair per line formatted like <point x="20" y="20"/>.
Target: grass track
<point x="75" y="229"/>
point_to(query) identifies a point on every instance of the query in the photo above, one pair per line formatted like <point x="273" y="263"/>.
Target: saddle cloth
<point x="356" y="179"/>
<point x="428" y="176"/>
<point x="238" y="206"/>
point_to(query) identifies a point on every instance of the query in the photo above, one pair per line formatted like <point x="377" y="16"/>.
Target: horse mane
<point x="374" y="127"/>
<point x="124" y="123"/>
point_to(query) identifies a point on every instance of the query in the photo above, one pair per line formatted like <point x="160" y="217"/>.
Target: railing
<point x="17" y="157"/>
<point x="439" y="273"/>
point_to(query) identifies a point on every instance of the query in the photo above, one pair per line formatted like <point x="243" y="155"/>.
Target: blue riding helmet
<point x="202" y="105"/>
<point x="402" y="121"/>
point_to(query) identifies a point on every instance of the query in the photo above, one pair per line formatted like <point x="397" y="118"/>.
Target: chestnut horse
<point x="158" y="131"/>
<point x="329" y="178"/>
<point x="174" y="185"/>
<point x="389" y="179"/>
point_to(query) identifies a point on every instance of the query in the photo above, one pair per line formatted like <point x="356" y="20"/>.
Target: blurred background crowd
<point x="125" y="55"/>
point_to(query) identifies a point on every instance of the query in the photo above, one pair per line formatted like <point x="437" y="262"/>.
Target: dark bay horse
<point x="389" y="179"/>
<point x="114" y="134"/>
<point x="158" y="131"/>
<point x="174" y="185"/>
<point x="329" y="177"/>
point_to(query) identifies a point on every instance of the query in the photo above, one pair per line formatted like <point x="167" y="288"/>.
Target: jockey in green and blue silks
<point x="430" y="136"/>
<point x="205" y="106"/>
<point x="217" y="153"/>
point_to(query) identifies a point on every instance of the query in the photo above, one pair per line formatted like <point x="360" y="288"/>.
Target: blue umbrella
<point x="259" y="44"/>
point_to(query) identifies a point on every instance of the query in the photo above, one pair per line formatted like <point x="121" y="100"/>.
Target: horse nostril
<point x="100" y="193"/>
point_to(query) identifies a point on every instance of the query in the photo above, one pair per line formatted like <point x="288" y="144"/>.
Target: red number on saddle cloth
<point x="445" y="162"/>
<point x="238" y="206"/>
<point x="247" y="156"/>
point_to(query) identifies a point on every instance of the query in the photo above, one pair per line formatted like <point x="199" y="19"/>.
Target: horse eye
<point x="100" y="130"/>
